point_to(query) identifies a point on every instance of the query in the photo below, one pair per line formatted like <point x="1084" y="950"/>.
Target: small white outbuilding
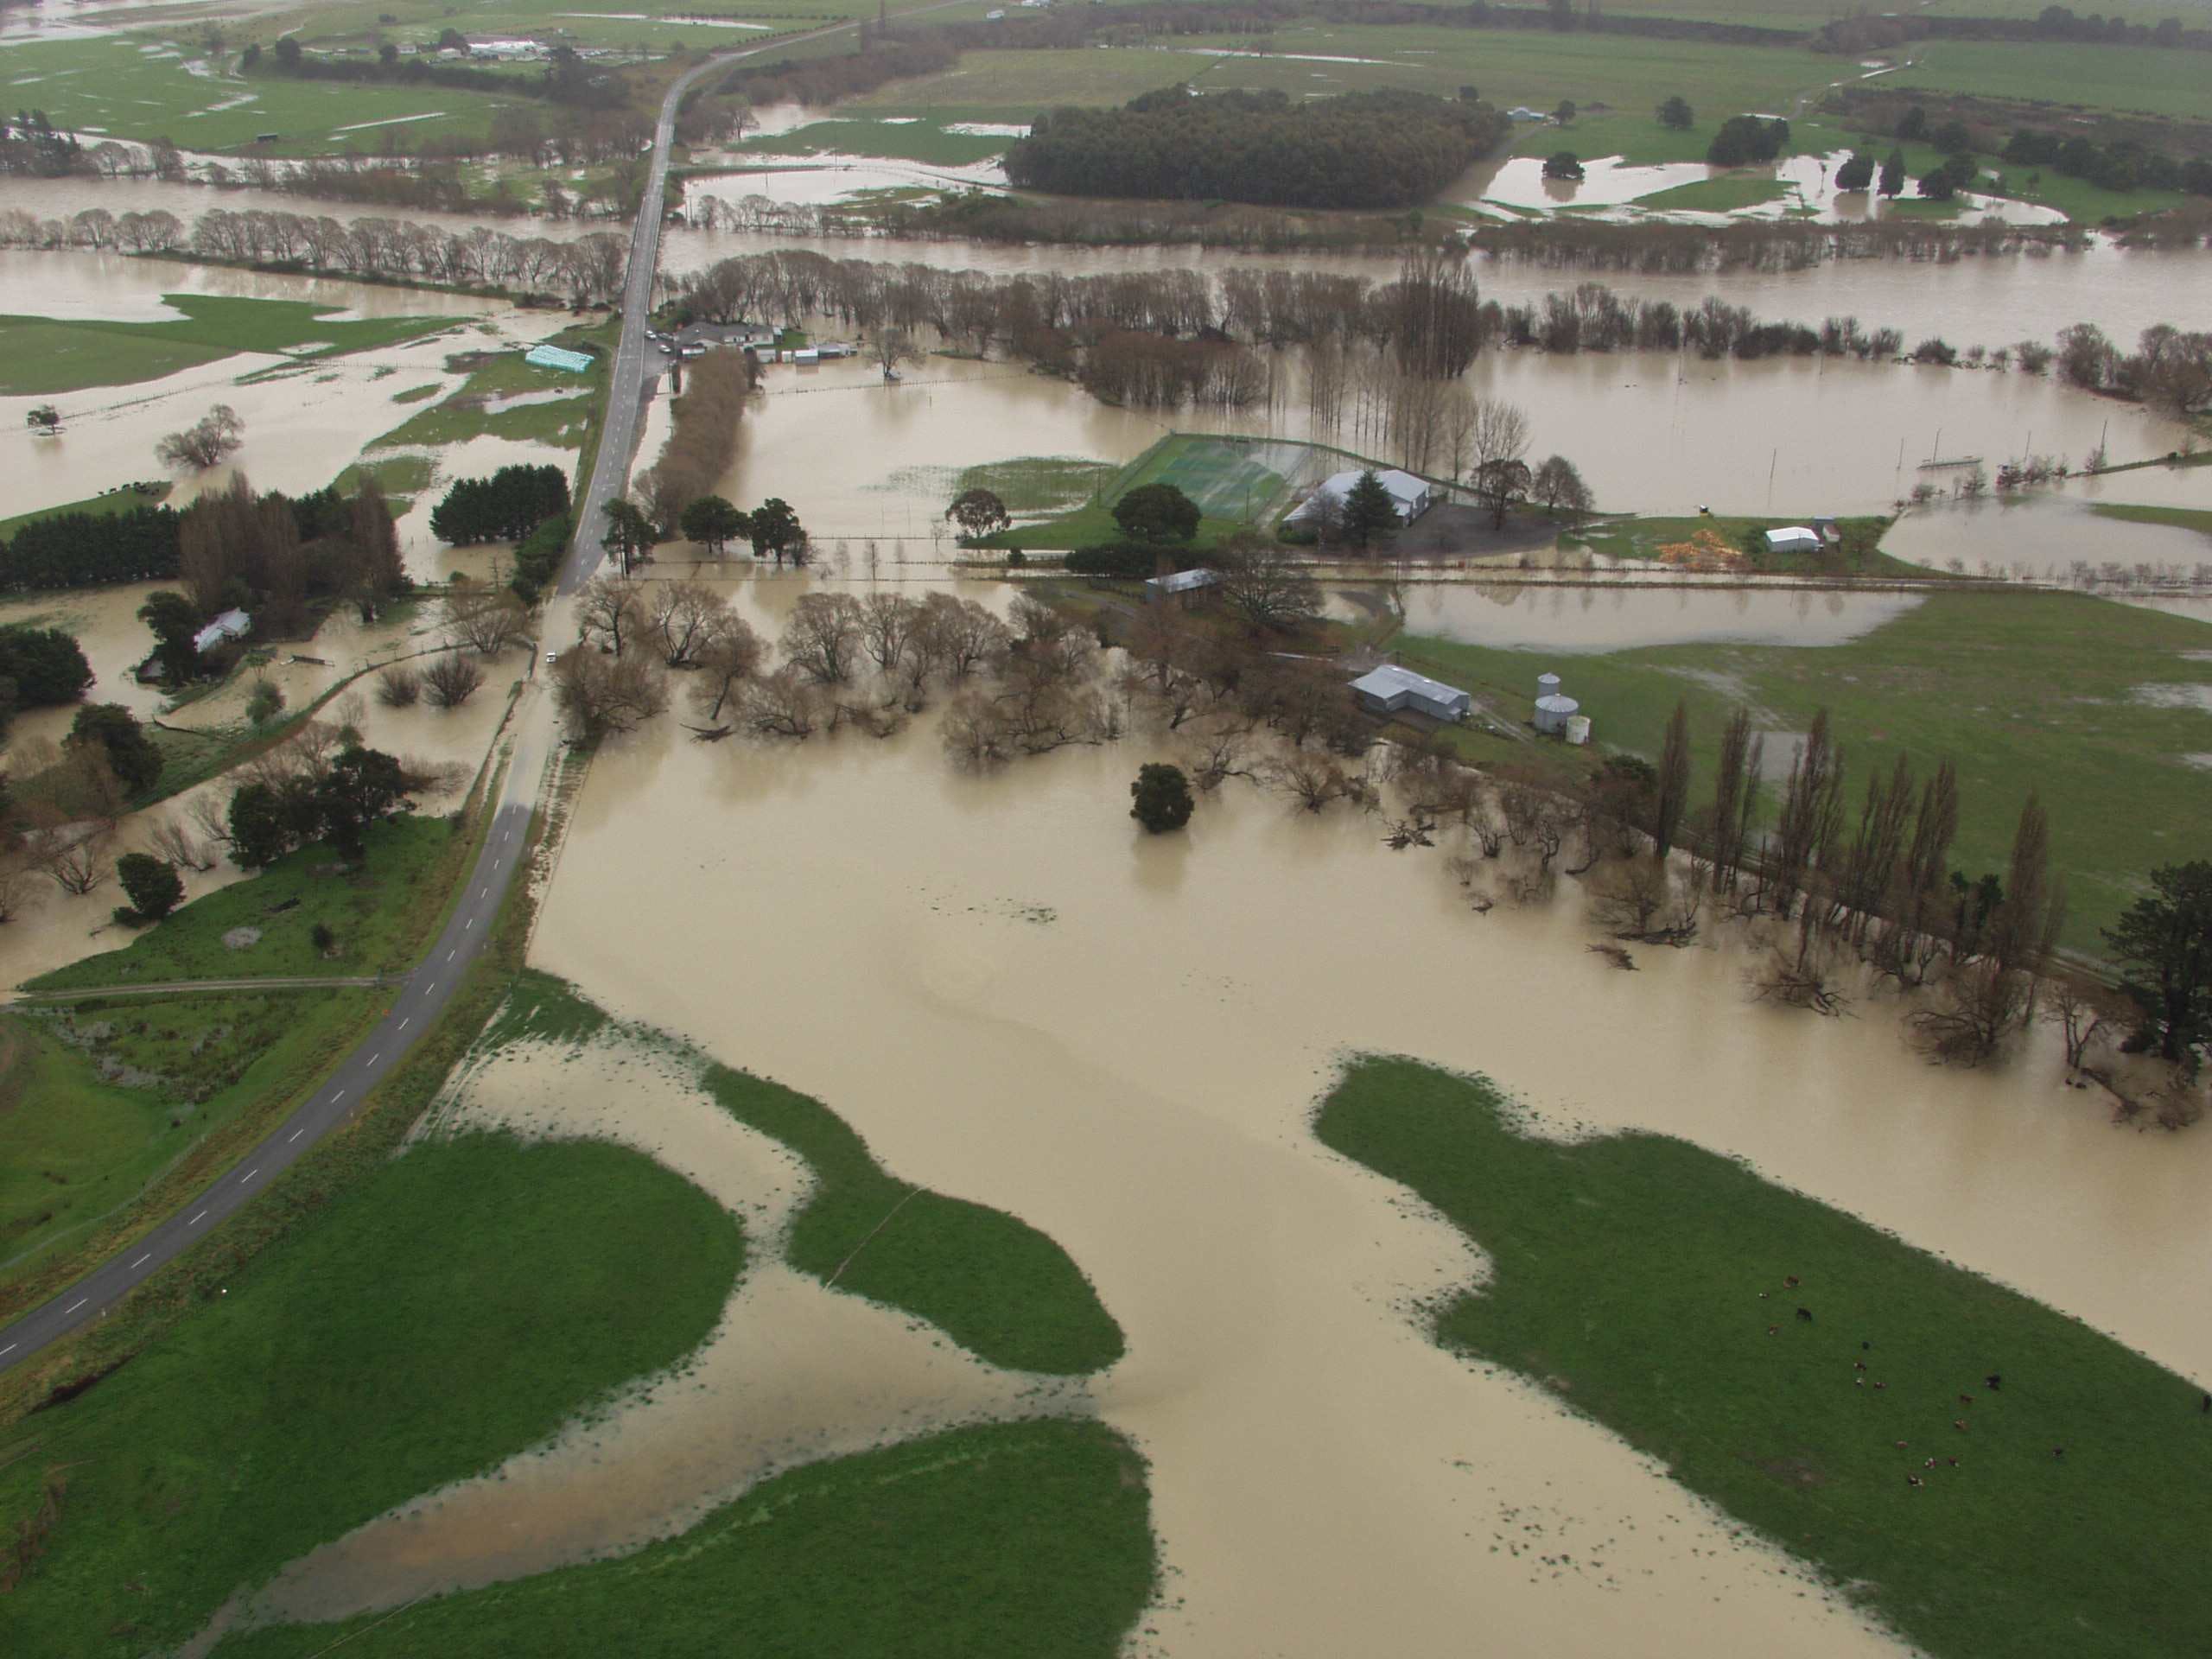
<point x="1792" y="538"/>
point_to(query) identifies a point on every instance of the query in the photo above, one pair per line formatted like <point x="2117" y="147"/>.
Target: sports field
<point x="1235" y="481"/>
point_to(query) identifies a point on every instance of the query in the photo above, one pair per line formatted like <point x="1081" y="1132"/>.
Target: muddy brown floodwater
<point x="1652" y="434"/>
<point x="1021" y="999"/>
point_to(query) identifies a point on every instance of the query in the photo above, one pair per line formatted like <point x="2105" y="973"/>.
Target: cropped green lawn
<point x="995" y="1285"/>
<point x="42" y="355"/>
<point x="138" y="89"/>
<point x="497" y="374"/>
<point x="1629" y="1274"/>
<point x="380" y="910"/>
<point x="1029" y="1538"/>
<point x="455" y="1307"/>
<point x="204" y="1075"/>
<point x="2021" y="691"/>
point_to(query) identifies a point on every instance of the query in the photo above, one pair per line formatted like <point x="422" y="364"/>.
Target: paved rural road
<point x="424" y="992"/>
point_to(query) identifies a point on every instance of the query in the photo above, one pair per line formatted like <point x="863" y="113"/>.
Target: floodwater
<point x="828" y="176"/>
<point x="1602" y="616"/>
<point x="1651" y="433"/>
<point x="1989" y="301"/>
<point x="794" y="1373"/>
<point x="305" y="422"/>
<point x="2045" y="532"/>
<point x="1019" y="998"/>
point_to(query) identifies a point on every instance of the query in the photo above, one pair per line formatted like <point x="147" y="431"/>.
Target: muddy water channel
<point x="1602" y="617"/>
<point x="1021" y="1000"/>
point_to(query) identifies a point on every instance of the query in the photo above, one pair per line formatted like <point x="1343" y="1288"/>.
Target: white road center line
<point x="340" y="1095"/>
<point x="75" y="1305"/>
<point x="451" y="954"/>
<point x="374" y="1057"/>
<point x="10" y="1348"/>
<point x="142" y="1261"/>
<point x="297" y="1132"/>
<point x="249" y="1174"/>
<point x="197" y="1219"/>
<point x="403" y="1024"/>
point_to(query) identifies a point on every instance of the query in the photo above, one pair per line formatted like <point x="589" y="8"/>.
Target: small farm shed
<point x="1792" y="538"/>
<point x="1184" y="586"/>
<point x="553" y="357"/>
<point x="1387" y="690"/>
<point x="1410" y="495"/>
<point x="231" y="625"/>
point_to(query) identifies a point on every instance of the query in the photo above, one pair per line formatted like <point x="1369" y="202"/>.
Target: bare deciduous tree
<point x="452" y="680"/>
<point x="786" y="703"/>
<point x="489" y="622"/>
<point x="211" y="439"/>
<point x="599" y="695"/>
<point x="682" y="615"/>
<point x="399" y="686"/>
<point x="823" y="638"/>
<point x="728" y="654"/>
<point x="169" y="840"/>
<point x="609" y="612"/>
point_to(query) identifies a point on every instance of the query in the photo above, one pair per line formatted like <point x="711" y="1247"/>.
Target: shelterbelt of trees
<point x="1364" y="149"/>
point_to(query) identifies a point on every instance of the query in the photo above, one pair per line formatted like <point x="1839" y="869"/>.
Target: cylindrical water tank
<point x="1578" y="729"/>
<point x="1552" y="712"/>
<point x="1547" y="686"/>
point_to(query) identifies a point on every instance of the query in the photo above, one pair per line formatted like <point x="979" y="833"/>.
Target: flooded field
<point x="305" y="422"/>
<point x="1021" y="999"/>
<point x="2047" y="532"/>
<point x="1601" y="616"/>
<point x="1652" y="434"/>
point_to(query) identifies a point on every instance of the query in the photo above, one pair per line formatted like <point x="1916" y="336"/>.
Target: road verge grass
<point x="1628" y="1277"/>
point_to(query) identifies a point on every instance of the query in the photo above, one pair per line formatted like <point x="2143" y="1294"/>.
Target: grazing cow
<point x="1790" y="1282"/>
<point x="1958" y="1423"/>
<point x="1858" y="1364"/>
<point x="1805" y="1314"/>
<point x="1914" y="1480"/>
<point x="1953" y="1462"/>
<point x="1860" y="1381"/>
<point x="1966" y="1399"/>
<point x="1930" y="1464"/>
<point x="1772" y="1328"/>
<point x="1881" y="1385"/>
<point x="1993" y="1382"/>
<point x="2058" y="1451"/>
<point x="1900" y="1445"/>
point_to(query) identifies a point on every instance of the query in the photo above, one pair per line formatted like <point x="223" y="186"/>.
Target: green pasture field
<point x="1652" y="1286"/>
<point x="2196" y="518"/>
<point x="380" y="912"/>
<point x="503" y="373"/>
<point x="205" y="1076"/>
<point x="920" y="140"/>
<point x="1031" y="1538"/>
<point x="1537" y="68"/>
<point x="1858" y="555"/>
<point x="997" y="1286"/>
<point x="136" y="88"/>
<point x="114" y="501"/>
<point x="2066" y="76"/>
<point x="455" y="1307"/>
<point x="2020" y="691"/>
<point x="1725" y="194"/>
<point x="43" y="355"/>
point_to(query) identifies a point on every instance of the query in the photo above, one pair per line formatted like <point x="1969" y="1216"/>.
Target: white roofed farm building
<point x="1390" y="689"/>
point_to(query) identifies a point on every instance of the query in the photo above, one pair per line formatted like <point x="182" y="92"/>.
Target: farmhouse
<point x="1390" y="688"/>
<point x="231" y="625"/>
<point x="1410" y="495"/>
<point x="1792" y="538"/>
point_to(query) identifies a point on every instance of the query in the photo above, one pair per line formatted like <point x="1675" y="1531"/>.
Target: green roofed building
<point x="552" y="357"/>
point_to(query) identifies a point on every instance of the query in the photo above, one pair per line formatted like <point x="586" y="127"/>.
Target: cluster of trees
<point x="1362" y="149"/>
<point x="1147" y="371"/>
<point x="2126" y="165"/>
<point x="1747" y="138"/>
<point x="40" y="668"/>
<point x="81" y="550"/>
<point x="505" y="507"/>
<point x="307" y="793"/>
<point x="275" y="557"/>
<point x="702" y="442"/>
<point x="590" y="268"/>
<point x="2169" y="368"/>
<point x="565" y="79"/>
<point x="1592" y="317"/>
<point x="1866" y="32"/>
<point x="538" y="557"/>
